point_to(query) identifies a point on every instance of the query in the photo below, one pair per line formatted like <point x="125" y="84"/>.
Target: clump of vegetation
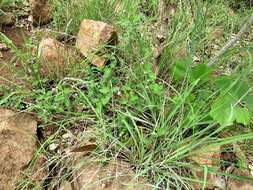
<point x="156" y="121"/>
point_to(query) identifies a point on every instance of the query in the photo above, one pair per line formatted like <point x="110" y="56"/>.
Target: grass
<point x="154" y="122"/>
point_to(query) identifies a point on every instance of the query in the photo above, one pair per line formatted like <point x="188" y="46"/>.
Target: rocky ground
<point x="18" y="130"/>
<point x="50" y="157"/>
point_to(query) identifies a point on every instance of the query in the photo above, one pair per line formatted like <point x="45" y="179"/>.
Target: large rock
<point x="207" y="157"/>
<point x="113" y="175"/>
<point x="7" y="19"/>
<point x="55" y="56"/>
<point x="240" y="184"/>
<point x="11" y="68"/>
<point x="17" y="145"/>
<point x="40" y="11"/>
<point x="91" y="39"/>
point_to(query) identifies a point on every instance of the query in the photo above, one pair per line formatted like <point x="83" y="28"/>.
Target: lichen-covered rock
<point x="17" y="145"/>
<point x="91" y="39"/>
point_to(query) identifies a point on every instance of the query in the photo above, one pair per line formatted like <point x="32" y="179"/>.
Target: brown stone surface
<point x="11" y="67"/>
<point x="40" y="11"/>
<point x="114" y="175"/>
<point x="7" y="19"/>
<point x="209" y="157"/>
<point x="17" y="145"/>
<point x="92" y="36"/>
<point x="236" y="184"/>
<point x="55" y="56"/>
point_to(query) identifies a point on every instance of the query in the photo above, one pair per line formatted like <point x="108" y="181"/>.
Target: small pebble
<point x="66" y="135"/>
<point x="220" y="182"/>
<point x="251" y="167"/>
<point x="53" y="146"/>
<point x="3" y="47"/>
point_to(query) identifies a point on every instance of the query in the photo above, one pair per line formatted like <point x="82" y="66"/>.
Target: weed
<point x="156" y="122"/>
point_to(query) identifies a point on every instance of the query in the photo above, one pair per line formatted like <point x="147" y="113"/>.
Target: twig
<point x="2" y="12"/>
<point x="232" y="41"/>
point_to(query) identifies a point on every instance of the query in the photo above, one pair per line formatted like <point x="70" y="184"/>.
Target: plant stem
<point x="232" y="41"/>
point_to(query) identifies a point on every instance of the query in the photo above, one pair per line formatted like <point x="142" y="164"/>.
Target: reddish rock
<point x="243" y="184"/>
<point x="7" y="19"/>
<point x="40" y="11"/>
<point x="207" y="157"/>
<point x="17" y="145"/>
<point x="54" y="56"/>
<point x="114" y="175"/>
<point x="91" y="39"/>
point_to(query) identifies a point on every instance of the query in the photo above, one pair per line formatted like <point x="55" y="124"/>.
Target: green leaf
<point x="223" y="82"/>
<point x="240" y="89"/>
<point x="133" y="98"/>
<point x="181" y="68"/>
<point x="235" y="87"/>
<point x="201" y="71"/>
<point x="156" y="88"/>
<point x="242" y="115"/>
<point x="222" y="111"/>
<point x="105" y="100"/>
<point x="249" y="102"/>
<point x="105" y="90"/>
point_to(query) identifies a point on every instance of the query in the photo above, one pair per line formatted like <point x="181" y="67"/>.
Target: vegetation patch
<point x="161" y="91"/>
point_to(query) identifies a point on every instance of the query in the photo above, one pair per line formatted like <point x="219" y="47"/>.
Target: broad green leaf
<point x="242" y="115"/>
<point x="201" y="71"/>
<point x="249" y="102"/>
<point x="240" y="89"/>
<point x="234" y="87"/>
<point x="105" y="90"/>
<point x="222" y="111"/>
<point x="223" y="82"/>
<point x="181" y="69"/>
<point x="156" y="88"/>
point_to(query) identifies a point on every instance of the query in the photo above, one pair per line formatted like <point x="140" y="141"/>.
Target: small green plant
<point x="233" y="99"/>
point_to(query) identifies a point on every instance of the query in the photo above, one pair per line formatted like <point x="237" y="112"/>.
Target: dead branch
<point x="232" y="41"/>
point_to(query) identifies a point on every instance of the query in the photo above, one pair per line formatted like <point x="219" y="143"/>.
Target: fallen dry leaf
<point x="86" y="148"/>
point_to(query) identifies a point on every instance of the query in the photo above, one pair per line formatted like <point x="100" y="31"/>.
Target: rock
<point x="182" y="53"/>
<point x="114" y="175"/>
<point x="17" y="145"/>
<point x="67" y="135"/>
<point x="3" y="47"/>
<point x="7" y="19"/>
<point x="51" y="52"/>
<point x="92" y="36"/>
<point x="241" y="184"/>
<point x="55" y="56"/>
<point x="53" y="146"/>
<point x="40" y="11"/>
<point x="210" y="157"/>
<point x="37" y="173"/>
<point x="216" y="34"/>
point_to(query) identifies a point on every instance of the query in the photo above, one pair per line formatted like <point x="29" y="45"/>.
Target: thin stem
<point x="232" y="41"/>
